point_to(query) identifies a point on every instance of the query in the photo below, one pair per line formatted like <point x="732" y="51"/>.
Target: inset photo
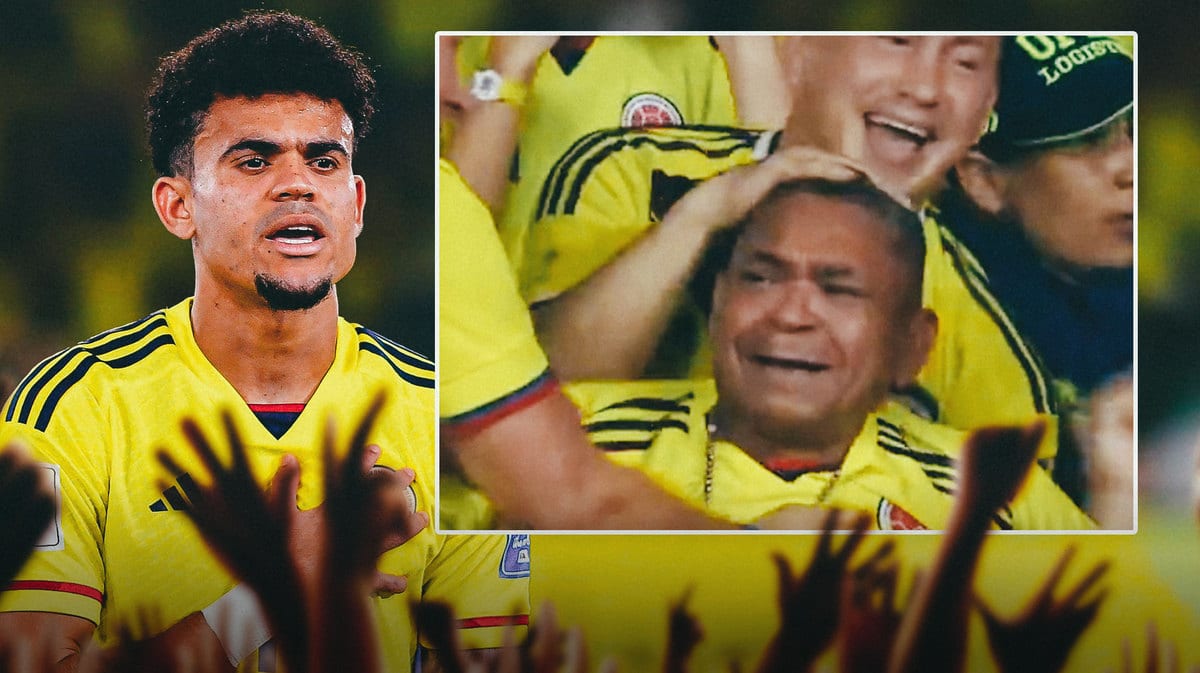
<point x="786" y="282"/>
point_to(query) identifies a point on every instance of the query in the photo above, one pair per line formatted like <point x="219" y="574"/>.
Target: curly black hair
<point x="260" y="53"/>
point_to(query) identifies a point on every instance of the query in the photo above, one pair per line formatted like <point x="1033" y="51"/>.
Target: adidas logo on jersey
<point x="177" y="497"/>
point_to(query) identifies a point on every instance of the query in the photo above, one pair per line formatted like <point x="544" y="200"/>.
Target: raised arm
<point x="809" y="603"/>
<point x="537" y="465"/>
<point x="485" y="136"/>
<point x="1039" y="638"/>
<point x="993" y="464"/>
<point x="600" y="329"/>
<point x="43" y="641"/>
<point x="756" y="77"/>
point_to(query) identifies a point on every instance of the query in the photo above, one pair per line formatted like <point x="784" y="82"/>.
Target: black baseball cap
<point x="1056" y="89"/>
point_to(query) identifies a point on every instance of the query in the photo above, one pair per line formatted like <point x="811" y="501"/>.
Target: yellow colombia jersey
<point x="901" y="468"/>
<point x="613" y="185"/>
<point x="122" y="551"/>
<point x="487" y="363"/>
<point x="623" y="80"/>
<point x="492" y="364"/>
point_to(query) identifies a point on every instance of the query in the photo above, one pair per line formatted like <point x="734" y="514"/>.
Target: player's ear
<point x="360" y="196"/>
<point x="172" y="202"/>
<point x="983" y="181"/>
<point x="922" y="330"/>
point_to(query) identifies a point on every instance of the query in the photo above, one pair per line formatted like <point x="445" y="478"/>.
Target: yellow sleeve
<point x="980" y="371"/>
<point x="1041" y="505"/>
<point x="486" y="347"/>
<point x="567" y="245"/>
<point x="65" y="574"/>
<point x="486" y="579"/>
<point x="611" y="187"/>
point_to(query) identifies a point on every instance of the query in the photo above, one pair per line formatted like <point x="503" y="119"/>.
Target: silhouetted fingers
<point x="333" y="475"/>
<point x="1151" y="648"/>
<point x="575" y="651"/>
<point x="857" y="533"/>
<point x="828" y="526"/>
<point x="684" y="631"/>
<point x="990" y="618"/>
<point x="888" y="580"/>
<point x="436" y="622"/>
<point x="1046" y="591"/>
<point x="546" y="646"/>
<point x="369" y="457"/>
<point x="203" y="448"/>
<point x="352" y="467"/>
<point x="508" y="660"/>
<point x="237" y="448"/>
<point x="1085" y="584"/>
<point x="284" y="485"/>
<point x="877" y="558"/>
<point x="783" y="569"/>
<point x="205" y="492"/>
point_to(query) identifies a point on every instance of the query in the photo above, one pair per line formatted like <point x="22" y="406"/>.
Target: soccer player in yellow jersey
<point x="619" y="235"/>
<point x="253" y="126"/>
<point x="816" y="316"/>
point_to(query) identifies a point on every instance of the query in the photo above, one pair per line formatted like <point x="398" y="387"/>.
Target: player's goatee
<point x="283" y="297"/>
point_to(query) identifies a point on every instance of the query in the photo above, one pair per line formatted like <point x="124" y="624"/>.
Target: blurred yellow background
<point x="81" y="249"/>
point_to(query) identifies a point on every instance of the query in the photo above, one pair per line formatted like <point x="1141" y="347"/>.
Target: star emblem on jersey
<point x="178" y="496"/>
<point x="650" y="109"/>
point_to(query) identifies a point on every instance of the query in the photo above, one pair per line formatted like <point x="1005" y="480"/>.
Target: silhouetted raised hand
<point x="933" y="632"/>
<point x="26" y="508"/>
<point x="1039" y="638"/>
<point x="869" y="618"/>
<point x="809" y="603"/>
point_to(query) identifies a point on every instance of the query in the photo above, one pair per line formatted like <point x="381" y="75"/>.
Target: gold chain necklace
<point x="710" y="463"/>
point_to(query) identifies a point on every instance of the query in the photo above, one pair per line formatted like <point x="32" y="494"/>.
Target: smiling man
<point x="621" y="232"/>
<point x="253" y="127"/>
<point x="904" y="106"/>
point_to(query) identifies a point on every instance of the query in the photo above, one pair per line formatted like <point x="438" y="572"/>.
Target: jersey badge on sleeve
<point x="52" y="539"/>
<point x="514" y="563"/>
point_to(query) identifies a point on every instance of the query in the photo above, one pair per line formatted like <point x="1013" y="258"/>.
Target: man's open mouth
<point x="915" y="134"/>
<point x="297" y="235"/>
<point x="794" y="364"/>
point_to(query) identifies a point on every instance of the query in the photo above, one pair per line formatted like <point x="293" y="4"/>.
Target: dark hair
<point x="260" y="53"/>
<point x="907" y="234"/>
